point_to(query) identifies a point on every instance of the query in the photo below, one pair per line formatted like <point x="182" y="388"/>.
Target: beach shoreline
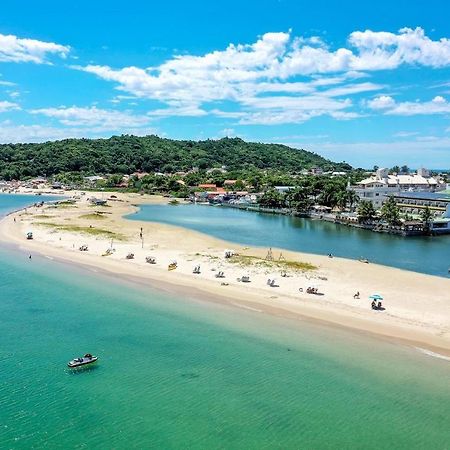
<point x="408" y="318"/>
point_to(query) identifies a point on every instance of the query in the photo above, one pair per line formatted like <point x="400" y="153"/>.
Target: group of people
<point x="377" y="306"/>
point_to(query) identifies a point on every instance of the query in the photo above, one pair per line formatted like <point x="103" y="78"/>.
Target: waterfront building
<point x="378" y="187"/>
<point x="415" y="202"/>
<point x="438" y="203"/>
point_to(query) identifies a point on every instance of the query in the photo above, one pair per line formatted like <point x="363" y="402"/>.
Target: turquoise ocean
<point x="184" y="373"/>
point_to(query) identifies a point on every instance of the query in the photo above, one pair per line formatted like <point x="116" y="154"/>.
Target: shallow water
<point x="429" y="255"/>
<point x="183" y="373"/>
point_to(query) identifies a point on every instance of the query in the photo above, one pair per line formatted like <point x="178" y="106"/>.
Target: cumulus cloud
<point x="438" y="105"/>
<point x="93" y="117"/>
<point x="270" y="68"/>
<point x="381" y="102"/>
<point x="14" y="49"/>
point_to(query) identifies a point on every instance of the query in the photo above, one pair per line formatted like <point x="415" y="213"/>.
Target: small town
<point x="406" y="203"/>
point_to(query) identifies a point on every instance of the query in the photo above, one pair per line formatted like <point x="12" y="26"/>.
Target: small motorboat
<point x="84" y="361"/>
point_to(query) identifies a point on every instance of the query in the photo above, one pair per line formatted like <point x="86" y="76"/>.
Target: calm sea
<point x="429" y="255"/>
<point x="180" y="373"/>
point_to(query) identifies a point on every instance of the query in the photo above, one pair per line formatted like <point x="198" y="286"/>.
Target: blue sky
<point x="364" y="82"/>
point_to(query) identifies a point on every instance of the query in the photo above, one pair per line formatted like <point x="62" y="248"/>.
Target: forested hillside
<point x="127" y="154"/>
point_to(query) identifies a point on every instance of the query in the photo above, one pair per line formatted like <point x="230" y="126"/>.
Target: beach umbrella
<point x="376" y="297"/>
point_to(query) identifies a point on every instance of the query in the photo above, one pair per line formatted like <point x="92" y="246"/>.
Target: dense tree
<point x="390" y="212"/>
<point x="272" y="199"/>
<point x="299" y="199"/>
<point x="404" y="169"/>
<point x="427" y="216"/>
<point x="366" y="211"/>
<point x="126" y="154"/>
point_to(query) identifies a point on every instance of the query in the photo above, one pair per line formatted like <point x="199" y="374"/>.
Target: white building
<point x="380" y="185"/>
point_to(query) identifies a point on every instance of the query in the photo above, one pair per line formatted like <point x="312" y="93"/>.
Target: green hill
<point x="127" y="154"/>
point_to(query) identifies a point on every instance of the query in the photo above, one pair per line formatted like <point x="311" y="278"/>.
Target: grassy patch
<point x="65" y="206"/>
<point x="42" y="216"/>
<point x="246" y="261"/>
<point x="84" y="230"/>
<point x="93" y="216"/>
<point x="100" y="206"/>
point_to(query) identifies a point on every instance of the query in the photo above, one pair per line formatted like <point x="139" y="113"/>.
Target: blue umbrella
<point x="376" y="297"/>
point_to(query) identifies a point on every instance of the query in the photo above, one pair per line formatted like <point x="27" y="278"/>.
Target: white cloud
<point x="403" y="134"/>
<point x="227" y="132"/>
<point x="14" y="49"/>
<point x="10" y="133"/>
<point x="8" y="106"/>
<point x="381" y="102"/>
<point x="438" y="105"/>
<point x="178" y="109"/>
<point x="248" y="74"/>
<point x="93" y="117"/>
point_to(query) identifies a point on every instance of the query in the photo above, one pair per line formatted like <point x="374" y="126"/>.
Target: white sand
<point x="417" y="305"/>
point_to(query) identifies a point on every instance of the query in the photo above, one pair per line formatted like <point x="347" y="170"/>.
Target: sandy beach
<point x="417" y="305"/>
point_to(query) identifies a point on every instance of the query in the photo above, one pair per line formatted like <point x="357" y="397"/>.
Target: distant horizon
<point x="329" y="77"/>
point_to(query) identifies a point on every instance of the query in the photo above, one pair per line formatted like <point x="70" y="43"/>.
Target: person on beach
<point x="29" y="257"/>
<point x="356" y="296"/>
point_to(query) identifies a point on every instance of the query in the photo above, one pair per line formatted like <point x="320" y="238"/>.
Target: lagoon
<point x="430" y="255"/>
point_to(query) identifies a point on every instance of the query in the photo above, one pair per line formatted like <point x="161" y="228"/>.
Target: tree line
<point x="127" y="154"/>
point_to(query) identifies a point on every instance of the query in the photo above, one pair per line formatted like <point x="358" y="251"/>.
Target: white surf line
<point x="49" y="257"/>
<point x="432" y="354"/>
<point x="247" y="307"/>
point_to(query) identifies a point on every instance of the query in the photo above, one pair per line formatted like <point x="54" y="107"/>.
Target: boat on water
<point x="84" y="361"/>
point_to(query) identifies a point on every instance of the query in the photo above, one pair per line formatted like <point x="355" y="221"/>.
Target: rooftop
<point x="442" y="196"/>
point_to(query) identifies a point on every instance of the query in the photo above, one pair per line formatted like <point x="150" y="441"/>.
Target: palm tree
<point x="390" y="212"/>
<point x="352" y="198"/>
<point x="366" y="211"/>
<point x="427" y="216"/>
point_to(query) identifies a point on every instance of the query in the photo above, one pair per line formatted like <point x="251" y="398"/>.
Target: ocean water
<point x="12" y="202"/>
<point x="429" y="255"/>
<point x="184" y="373"/>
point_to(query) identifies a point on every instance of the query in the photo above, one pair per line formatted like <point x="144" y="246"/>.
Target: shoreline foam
<point x="412" y="316"/>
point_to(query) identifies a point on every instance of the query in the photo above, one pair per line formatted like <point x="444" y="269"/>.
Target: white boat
<point x="85" y="360"/>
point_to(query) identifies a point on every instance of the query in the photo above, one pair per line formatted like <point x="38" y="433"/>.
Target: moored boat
<point x="84" y="361"/>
